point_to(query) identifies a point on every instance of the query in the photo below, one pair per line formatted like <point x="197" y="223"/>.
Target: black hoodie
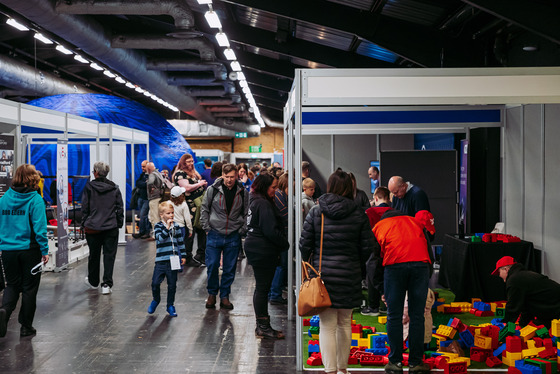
<point x="347" y="244"/>
<point x="102" y="205"/>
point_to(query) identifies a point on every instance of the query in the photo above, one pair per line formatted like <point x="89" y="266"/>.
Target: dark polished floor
<point x="82" y="331"/>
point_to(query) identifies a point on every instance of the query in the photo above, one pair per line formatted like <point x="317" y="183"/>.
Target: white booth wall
<point x="531" y="163"/>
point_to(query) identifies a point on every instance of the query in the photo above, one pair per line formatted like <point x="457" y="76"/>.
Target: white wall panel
<point x="513" y="196"/>
<point x="353" y="153"/>
<point x="317" y="150"/>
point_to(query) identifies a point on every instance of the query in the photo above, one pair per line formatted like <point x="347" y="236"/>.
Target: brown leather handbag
<point x="313" y="296"/>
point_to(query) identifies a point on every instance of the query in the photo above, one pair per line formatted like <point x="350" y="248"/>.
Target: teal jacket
<point x="23" y="221"/>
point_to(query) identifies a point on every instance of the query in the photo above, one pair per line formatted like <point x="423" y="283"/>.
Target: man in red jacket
<point x="400" y="263"/>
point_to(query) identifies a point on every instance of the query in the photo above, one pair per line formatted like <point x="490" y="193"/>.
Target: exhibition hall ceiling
<point x="165" y="55"/>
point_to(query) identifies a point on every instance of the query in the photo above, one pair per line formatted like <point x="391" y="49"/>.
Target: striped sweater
<point x="167" y="240"/>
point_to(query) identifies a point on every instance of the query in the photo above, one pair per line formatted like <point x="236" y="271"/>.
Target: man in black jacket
<point x="102" y="216"/>
<point x="143" y="205"/>
<point x="529" y="294"/>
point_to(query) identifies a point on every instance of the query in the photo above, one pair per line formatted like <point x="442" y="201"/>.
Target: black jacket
<point x="102" y="205"/>
<point x="347" y="244"/>
<point x="266" y="237"/>
<point x="531" y="295"/>
<point x="142" y="185"/>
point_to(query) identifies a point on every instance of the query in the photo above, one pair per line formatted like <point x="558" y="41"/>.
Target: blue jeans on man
<point x="398" y="279"/>
<point x="216" y="244"/>
<point x="144" y="208"/>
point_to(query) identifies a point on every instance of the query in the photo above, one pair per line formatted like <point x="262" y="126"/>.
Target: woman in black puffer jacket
<point x="347" y="243"/>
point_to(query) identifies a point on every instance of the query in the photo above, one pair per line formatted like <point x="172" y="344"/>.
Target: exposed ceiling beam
<point x="280" y="96"/>
<point x="269" y="103"/>
<point x="281" y="69"/>
<point x="533" y="16"/>
<point x="298" y="48"/>
<point x="267" y="81"/>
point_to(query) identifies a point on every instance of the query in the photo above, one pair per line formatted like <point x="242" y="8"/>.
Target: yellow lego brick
<point x="461" y="359"/>
<point x="364" y="343"/>
<point x="441" y="300"/>
<point x="532" y="352"/>
<point x="508" y="361"/>
<point x="483" y="341"/>
<point x="314" y="336"/>
<point x="555" y="327"/>
<point x="531" y="344"/>
<point x="441" y="308"/>
<point x="382" y="319"/>
<point x="513" y="355"/>
<point x="439" y="338"/>
<point x="493" y="307"/>
<point x="356" y="336"/>
<point x="446" y="331"/>
<point x="474" y="300"/>
<point x="451" y="355"/>
<point x="465" y="307"/>
<point x="353" y="321"/>
<point x="528" y="332"/>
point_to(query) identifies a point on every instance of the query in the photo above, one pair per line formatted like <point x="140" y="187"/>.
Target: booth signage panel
<point x="47" y="120"/>
<point x="6" y="162"/>
<point x="8" y="113"/>
<point x="62" y="202"/>
<point x="82" y="126"/>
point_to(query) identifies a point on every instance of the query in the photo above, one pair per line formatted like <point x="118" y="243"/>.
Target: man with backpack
<point x="224" y="218"/>
<point x="156" y="190"/>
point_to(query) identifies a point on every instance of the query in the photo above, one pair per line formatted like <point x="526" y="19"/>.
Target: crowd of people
<point x="382" y="245"/>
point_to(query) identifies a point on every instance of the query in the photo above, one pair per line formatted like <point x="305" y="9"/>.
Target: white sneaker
<point x="86" y="281"/>
<point x="105" y="289"/>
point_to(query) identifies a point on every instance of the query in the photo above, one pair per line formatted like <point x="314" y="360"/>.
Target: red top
<point x="375" y="212"/>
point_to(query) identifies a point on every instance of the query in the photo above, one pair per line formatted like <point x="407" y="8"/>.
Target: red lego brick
<point x="455" y="368"/>
<point x="512" y="370"/>
<point x="441" y="361"/>
<point x="306" y="321"/>
<point x="493" y="361"/>
<point x="480" y="354"/>
<point x="356" y="329"/>
<point x="548" y="353"/>
<point x="352" y="360"/>
<point x="315" y="360"/>
<point x="372" y="360"/>
<point x="547" y="343"/>
<point x="514" y="344"/>
<point x="451" y="309"/>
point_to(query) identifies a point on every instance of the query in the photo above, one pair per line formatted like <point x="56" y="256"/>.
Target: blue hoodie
<point x="23" y="221"/>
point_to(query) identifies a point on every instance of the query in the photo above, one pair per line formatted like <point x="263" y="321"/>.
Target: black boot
<point x="264" y="330"/>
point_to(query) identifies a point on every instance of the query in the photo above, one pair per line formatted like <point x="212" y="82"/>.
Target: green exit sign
<point x="255" y="148"/>
<point x="240" y="134"/>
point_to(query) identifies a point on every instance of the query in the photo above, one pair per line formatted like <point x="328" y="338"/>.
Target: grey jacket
<point x="154" y="185"/>
<point x="216" y="218"/>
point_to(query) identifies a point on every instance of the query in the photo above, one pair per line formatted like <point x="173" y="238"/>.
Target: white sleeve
<point x="187" y="216"/>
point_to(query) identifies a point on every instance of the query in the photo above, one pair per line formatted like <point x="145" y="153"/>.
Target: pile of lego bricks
<point x="456" y="345"/>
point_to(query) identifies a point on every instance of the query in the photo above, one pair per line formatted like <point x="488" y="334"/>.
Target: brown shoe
<point x="211" y="302"/>
<point x="225" y="303"/>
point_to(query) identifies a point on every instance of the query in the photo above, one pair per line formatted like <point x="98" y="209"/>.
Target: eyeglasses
<point x="37" y="268"/>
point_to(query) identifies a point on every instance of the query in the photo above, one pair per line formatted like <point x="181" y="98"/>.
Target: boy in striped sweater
<point x="169" y="243"/>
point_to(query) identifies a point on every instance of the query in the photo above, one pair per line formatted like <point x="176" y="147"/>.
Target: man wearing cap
<point x="529" y="294"/>
<point x="223" y="216"/>
<point x="407" y="197"/>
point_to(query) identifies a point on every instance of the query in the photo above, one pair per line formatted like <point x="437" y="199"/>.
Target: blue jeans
<point x="217" y="243"/>
<point x="162" y="269"/>
<point x="398" y="279"/>
<point x="280" y="277"/>
<point x="144" y="208"/>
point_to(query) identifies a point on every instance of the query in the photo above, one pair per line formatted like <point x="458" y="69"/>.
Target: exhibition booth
<point x="331" y="112"/>
<point x="45" y="138"/>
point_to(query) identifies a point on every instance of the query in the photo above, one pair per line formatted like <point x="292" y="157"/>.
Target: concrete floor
<point x="82" y="331"/>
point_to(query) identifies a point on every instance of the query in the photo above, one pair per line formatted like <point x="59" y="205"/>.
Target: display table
<point x="465" y="267"/>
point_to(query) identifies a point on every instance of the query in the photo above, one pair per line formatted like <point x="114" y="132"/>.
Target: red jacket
<point x="401" y="239"/>
<point x="374" y="214"/>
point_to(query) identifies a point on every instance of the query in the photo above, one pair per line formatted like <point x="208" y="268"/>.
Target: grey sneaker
<point x="367" y="311"/>
<point x="105" y="289"/>
<point x="392" y="368"/>
<point x="86" y="281"/>
<point x="420" y="368"/>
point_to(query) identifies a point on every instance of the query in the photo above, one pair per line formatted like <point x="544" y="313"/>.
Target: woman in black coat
<point x="265" y="241"/>
<point x="347" y="243"/>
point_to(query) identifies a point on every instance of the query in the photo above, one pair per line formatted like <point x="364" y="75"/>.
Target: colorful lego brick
<point x="354" y="343"/>
<point x="315" y="360"/>
<point x="441" y="361"/>
<point x="366" y="332"/>
<point x="465" y="307"/>
<point x="461" y="359"/>
<point x="313" y="347"/>
<point x="377" y="341"/>
<point x="542" y="333"/>
<point x="493" y="361"/>
<point x="548" y="353"/>
<point x="498" y="351"/>
<point x="479" y="354"/>
<point x="451" y="310"/>
<point x="481" y="306"/>
<point x="455" y="368"/>
<point x="313" y="330"/>
<point x="526" y="368"/>
<point x="474" y="300"/>
<point x="364" y="343"/>
<point x="528" y="332"/>
<point x="513" y="370"/>
<point x="483" y="341"/>
<point x="508" y="330"/>
<point x="476" y="239"/>
<point x="446" y="331"/>
<point x="378" y="351"/>
<point x="382" y="320"/>
<point x="356" y="336"/>
<point x="373" y="360"/>
<point x="546" y="366"/>
<point x="548" y="343"/>
<point x="314" y="321"/>
<point x="306" y="322"/>
<point x="508" y="361"/>
<point x="467" y="338"/>
<point x="440" y="308"/>
<point x="500" y="312"/>
<point x="356" y="329"/>
<point x="555" y="327"/>
<point x="353" y="360"/>
<point x="532" y="352"/>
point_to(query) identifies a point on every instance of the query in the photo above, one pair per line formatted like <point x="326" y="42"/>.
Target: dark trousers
<point x="18" y="265"/>
<point x="263" y="280"/>
<point x="107" y="241"/>
<point x="398" y="279"/>
<point x="162" y="269"/>
<point x="201" y="244"/>
<point x="144" y="208"/>
<point x="280" y="277"/>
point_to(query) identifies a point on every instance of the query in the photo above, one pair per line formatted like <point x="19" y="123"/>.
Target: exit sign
<point x="240" y="134"/>
<point x="255" y="148"/>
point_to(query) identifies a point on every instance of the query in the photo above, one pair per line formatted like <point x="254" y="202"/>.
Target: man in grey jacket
<point x="155" y="191"/>
<point x="223" y="216"/>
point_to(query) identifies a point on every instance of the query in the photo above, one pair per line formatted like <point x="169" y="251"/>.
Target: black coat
<point x="102" y="205"/>
<point x="531" y="295"/>
<point x="347" y="244"/>
<point x="266" y="237"/>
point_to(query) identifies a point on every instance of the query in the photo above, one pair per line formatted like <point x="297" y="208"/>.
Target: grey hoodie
<point x="216" y="217"/>
<point x="102" y="205"/>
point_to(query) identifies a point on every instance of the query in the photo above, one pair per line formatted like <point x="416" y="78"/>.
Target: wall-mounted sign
<point x="6" y="162"/>
<point x="255" y="148"/>
<point x="240" y="134"/>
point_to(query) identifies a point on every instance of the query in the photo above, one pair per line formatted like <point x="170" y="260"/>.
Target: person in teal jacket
<point x="24" y="245"/>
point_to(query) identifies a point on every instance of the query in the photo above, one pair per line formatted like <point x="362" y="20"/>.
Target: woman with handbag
<point x="187" y="177"/>
<point x="266" y="240"/>
<point x="348" y="243"/>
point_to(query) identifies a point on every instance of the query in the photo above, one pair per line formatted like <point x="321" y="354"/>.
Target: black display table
<point x="465" y="267"/>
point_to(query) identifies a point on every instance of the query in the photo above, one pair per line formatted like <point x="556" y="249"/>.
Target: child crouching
<point x="169" y="249"/>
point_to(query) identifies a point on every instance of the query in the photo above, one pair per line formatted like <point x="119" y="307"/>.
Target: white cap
<point x="177" y="191"/>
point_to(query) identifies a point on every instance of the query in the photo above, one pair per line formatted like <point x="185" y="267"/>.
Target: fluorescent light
<point x="12" y="22"/>
<point x="95" y="66"/>
<point x="109" y="74"/>
<point x="81" y="59"/>
<point x="147" y="93"/>
<point x="204" y="1"/>
<point x="42" y="38"/>
<point x="241" y="76"/>
<point x="230" y="54"/>
<point x="139" y="89"/>
<point x="120" y="80"/>
<point x="60" y="48"/>
<point x="213" y="19"/>
<point x="222" y="39"/>
<point x="160" y="100"/>
<point x="246" y="90"/>
<point x="235" y="66"/>
<point x="129" y="85"/>
<point x="173" y="108"/>
<point x="243" y="84"/>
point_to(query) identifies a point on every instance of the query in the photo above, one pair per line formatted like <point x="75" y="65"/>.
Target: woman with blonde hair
<point x="186" y="176"/>
<point x="24" y="247"/>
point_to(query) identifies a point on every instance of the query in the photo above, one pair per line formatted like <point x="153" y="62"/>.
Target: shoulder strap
<point x="321" y="247"/>
<point x="210" y="199"/>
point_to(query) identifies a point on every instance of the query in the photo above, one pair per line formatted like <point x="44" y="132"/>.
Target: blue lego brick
<point x="378" y="351"/>
<point x="497" y="322"/>
<point x="526" y="368"/>
<point x="378" y="341"/>
<point x="480" y="305"/>
<point x="445" y="343"/>
<point x="314" y="321"/>
<point x="354" y="343"/>
<point x="498" y="351"/>
<point x="467" y="338"/>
